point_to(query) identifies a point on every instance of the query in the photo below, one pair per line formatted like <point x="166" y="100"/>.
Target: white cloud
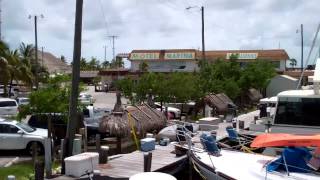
<point x="161" y="24"/>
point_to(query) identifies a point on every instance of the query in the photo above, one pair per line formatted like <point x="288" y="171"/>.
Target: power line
<point x="104" y="17"/>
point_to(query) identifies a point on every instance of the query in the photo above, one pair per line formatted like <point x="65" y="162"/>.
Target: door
<point x="9" y="137"/>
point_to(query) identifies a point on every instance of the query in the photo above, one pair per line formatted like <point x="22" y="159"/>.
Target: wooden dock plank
<point x="129" y="164"/>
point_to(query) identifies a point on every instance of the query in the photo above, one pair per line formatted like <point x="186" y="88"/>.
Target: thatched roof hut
<point x="142" y="117"/>
<point x="220" y="102"/>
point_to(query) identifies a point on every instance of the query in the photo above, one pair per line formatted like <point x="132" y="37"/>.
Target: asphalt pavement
<point x="104" y="99"/>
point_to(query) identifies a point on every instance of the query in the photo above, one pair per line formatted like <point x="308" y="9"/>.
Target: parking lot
<point x="103" y="99"/>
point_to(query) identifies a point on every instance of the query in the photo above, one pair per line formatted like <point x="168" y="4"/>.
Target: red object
<point x="281" y="139"/>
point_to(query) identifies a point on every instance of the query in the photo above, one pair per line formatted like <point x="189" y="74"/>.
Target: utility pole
<point x="105" y="52"/>
<point x="301" y="31"/>
<point x="203" y="59"/>
<point x="73" y="115"/>
<point x="36" y="63"/>
<point x="113" y="37"/>
<point x="203" y="44"/>
<point x="36" y="50"/>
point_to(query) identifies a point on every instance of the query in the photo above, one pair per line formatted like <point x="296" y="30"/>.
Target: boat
<point x="297" y="111"/>
<point x="214" y="163"/>
<point x="282" y="139"/>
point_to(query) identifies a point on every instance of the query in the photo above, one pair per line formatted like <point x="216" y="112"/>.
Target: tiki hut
<point x="142" y="118"/>
<point x="219" y="102"/>
<point x="253" y="95"/>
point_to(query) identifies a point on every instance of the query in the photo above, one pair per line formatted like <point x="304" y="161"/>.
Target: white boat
<point x="230" y="164"/>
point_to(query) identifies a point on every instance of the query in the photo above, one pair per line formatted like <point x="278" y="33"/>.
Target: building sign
<point x="243" y="55"/>
<point x="181" y="55"/>
<point x="144" y="56"/>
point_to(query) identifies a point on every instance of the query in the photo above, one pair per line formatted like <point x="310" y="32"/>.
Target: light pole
<point x="36" y="63"/>
<point x="202" y="30"/>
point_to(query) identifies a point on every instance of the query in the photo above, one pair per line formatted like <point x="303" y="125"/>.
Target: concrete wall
<point x="281" y="83"/>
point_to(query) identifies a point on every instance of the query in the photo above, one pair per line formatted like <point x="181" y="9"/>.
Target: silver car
<point x="8" y="107"/>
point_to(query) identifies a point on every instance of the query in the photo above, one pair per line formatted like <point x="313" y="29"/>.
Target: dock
<point x="125" y="165"/>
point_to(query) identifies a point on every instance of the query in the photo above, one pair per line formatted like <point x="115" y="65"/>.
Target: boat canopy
<point x="292" y="159"/>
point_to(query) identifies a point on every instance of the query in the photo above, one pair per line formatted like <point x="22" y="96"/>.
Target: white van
<point x="8" y="107"/>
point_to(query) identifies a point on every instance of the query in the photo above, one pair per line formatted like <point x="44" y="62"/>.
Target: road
<point x="103" y="99"/>
<point x="12" y="156"/>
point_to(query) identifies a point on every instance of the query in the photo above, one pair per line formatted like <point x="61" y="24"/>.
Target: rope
<point x="197" y="170"/>
<point x="133" y="131"/>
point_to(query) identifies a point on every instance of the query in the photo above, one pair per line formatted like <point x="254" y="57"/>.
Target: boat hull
<point x="207" y="171"/>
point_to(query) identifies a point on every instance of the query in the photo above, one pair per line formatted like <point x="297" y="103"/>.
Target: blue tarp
<point x="209" y="143"/>
<point x="296" y="159"/>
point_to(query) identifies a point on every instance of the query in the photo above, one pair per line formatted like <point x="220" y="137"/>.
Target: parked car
<point x="59" y="126"/>
<point x="17" y="136"/>
<point x="85" y="98"/>
<point x="173" y="113"/>
<point x="23" y="101"/>
<point x="8" y="107"/>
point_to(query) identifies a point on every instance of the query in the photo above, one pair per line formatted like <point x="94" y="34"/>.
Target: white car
<point x="17" y="136"/>
<point x="23" y="101"/>
<point x="174" y="113"/>
<point x="8" y="107"/>
<point x="85" y="98"/>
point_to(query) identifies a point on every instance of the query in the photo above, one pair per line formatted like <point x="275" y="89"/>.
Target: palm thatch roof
<point x="142" y="117"/>
<point x="220" y="102"/>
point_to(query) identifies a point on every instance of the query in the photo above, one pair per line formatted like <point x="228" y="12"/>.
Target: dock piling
<point x="147" y="161"/>
<point x="103" y="154"/>
<point x="98" y="142"/>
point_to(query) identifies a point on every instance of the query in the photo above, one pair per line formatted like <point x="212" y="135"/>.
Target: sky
<point x="162" y="24"/>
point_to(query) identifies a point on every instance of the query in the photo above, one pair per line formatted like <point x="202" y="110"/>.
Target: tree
<point x="293" y="62"/>
<point x="143" y="67"/>
<point x="4" y="65"/>
<point x="83" y="64"/>
<point x="27" y="54"/>
<point x="117" y="63"/>
<point x="105" y="64"/>
<point x="63" y="59"/>
<point x="220" y="77"/>
<point x="257" y="75"/>
<point x="93" y="64"/>
<point x="52" y="98"/>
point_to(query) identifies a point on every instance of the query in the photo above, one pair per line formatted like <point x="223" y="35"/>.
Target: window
<point x="25" y="127"/>
<point x="7" y="128"/>
<point x="7" y="103"/>
<point x="304" y="112"/>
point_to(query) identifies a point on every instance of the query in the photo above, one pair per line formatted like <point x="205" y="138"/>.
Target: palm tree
<point x="105" y="64"/>
<point x="4" y="71"/>
<point x="293" y="62"/>
<point x="26" y="53"/>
